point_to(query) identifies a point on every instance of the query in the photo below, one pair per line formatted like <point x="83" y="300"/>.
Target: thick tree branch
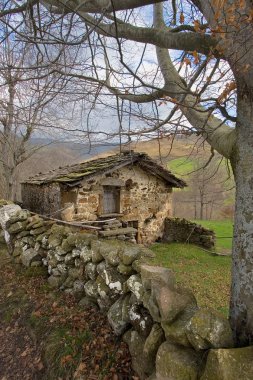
<point x="96" y="6"/>
<point x="219" y="135"/>
<point x="202" y="43"/>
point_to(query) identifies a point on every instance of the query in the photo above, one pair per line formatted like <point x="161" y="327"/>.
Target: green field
<point x="181" y="166"/>
<point x="207" y="275"/>
<point x="223" y="230"/>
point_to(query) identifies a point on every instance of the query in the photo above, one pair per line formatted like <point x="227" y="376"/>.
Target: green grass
<point x="222" y="228"/>
<point x="181" y="166"/>
<point x="208" y="276"/>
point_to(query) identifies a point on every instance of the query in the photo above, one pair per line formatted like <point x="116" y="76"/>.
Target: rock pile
<point x="169" y="336"/>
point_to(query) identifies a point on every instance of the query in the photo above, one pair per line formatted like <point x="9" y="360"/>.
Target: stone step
<point x="119" y="231"/>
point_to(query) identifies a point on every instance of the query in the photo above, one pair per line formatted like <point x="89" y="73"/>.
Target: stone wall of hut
<point x="42" y="199"/>
<point x="145" y="201"/>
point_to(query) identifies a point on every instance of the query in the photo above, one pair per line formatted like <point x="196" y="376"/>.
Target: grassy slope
<point x="222" y="229"/>
<point x="208" y="276"/>
<point x="181" y="166"/>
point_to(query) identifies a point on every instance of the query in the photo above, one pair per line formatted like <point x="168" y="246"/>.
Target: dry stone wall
<point x="185" y="231"/>
<point x="169" y="336"/>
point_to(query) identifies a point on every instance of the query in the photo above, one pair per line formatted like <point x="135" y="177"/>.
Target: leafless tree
<point x="25" y="94"/>
<point x="190" y="65"/>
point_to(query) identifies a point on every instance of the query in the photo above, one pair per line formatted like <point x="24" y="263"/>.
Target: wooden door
<point x="111" y="200"/>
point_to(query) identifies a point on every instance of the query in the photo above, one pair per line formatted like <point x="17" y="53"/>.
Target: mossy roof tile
<point x="73" y="174"/>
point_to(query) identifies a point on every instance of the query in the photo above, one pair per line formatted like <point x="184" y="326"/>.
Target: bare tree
<point x="200" y="61"/>
<point x="25" y="93"/>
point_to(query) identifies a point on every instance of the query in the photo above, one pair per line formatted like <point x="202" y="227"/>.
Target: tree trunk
<point x="241" y="305"/>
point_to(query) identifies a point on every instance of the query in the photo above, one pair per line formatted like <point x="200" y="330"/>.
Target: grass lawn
<point x="181" y="166"/>
<point x="222" y="229"/>
<point x="207" y="275"/>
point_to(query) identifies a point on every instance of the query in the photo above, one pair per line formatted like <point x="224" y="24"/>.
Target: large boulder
<point x="176" y="331"/>
<point x="152" y="343"/>
<point x="118" y="314"/>
<point x="208" y="329"/>
<point x="136" y="344"/>
<point x="150" y="303"/>
<point x="110" y="251"/>
<point x="28" y="256"/>
<point x="229" y="364"/>
<point x="112" y="277"/>
<point x="6" y="212"/>
<point x="58" y="233"/>
<point x="176" y="363"/>
<point x="150" y="273"/>
<point x="80" y="239"/>
<point x="129" y="254"/>
<point x="172" y="301"/>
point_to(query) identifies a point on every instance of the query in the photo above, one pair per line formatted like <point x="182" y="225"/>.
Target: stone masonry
<point x="169" y="336"/>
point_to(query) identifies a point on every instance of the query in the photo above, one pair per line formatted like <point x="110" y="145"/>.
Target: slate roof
<point x="72" y="175"/>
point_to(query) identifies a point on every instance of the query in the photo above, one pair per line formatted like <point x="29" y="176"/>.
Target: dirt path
<point x="45" y="335"/>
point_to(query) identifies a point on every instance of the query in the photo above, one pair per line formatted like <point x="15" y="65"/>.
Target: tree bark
<point x="241" y="305"/>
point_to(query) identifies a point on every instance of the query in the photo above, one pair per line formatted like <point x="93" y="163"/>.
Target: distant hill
<point x="180" y="155"/>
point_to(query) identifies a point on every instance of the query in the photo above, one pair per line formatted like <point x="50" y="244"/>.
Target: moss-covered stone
<point x="176" y="363"/>
<point x="103" y="289"/>
<point x="91" y="289"/>
<point x="20" y="216"/>
<point x="162" y="275"/>
<point x="58" y="233"/>
<point x="125" y="269"/>
<point x="151" y="346"/>
<point x="135" y="286"/>
<point x="22" y="234"/>
<point x="129" y="254"/>
<point x="75" y="273"/>
<point x="55" y="281"/>
<point x="229" y="364"/>
<point x="110" y="251"/>
<point x="96" y="257"/>
<point x="91" y="271"/>
<point x="208" y="329"/>
<point x="66" y="246"/>
<point x="39" y="230"/>
<point x="17" y="227"/>
<point x="80" y="240"/>
<point x="118" y="314"/>
<point x="28" y="256"/>
<point x="176" y="331"/>
<point x="85" y="254"/>
<point x="112" y="278"/>
<point x="136" y="344"/>
<point x="140" y="319"/>
<point x="172" y="301"/>
<point x="150" y="303"/>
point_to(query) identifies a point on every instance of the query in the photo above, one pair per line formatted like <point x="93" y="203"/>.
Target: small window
<point x="111" y="200"/>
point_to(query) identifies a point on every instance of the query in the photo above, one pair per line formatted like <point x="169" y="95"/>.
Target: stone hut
<point x="126" y="195"/>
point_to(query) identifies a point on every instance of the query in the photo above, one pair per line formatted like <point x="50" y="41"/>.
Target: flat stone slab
<point x="119" y="231"/>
